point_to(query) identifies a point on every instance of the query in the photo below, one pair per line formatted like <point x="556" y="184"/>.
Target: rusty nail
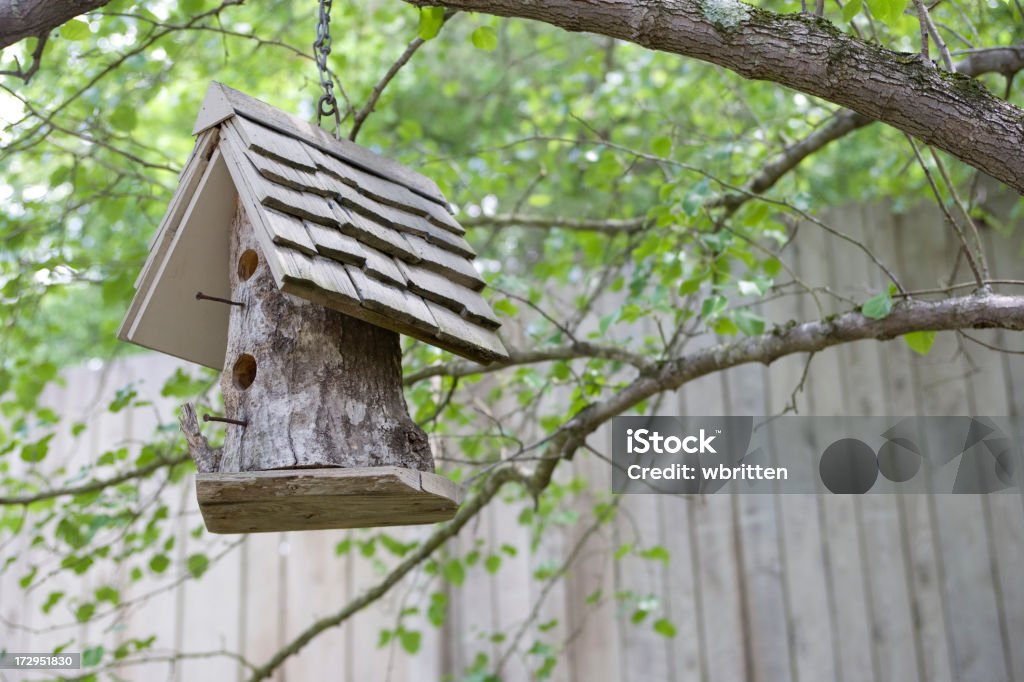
<point x="200" y="296"/>
<point x="226" y="420"/>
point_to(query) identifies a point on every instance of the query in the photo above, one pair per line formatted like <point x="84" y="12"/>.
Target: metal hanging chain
<point x="326" y="105"/>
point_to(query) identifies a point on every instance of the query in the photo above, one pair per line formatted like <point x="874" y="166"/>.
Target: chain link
<point x="327" y="105"/>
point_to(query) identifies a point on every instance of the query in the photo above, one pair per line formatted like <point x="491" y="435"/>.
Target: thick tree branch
<point x="26" y="18"/>
<point x="461" y="368"/>
<point x="808" y="54"/>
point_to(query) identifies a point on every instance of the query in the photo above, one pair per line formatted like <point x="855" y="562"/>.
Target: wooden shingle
<point x="333" y="243"/>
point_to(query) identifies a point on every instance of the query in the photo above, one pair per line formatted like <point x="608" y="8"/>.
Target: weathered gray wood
<point x="290" y="231"/>
<point x="397" y="218"/>
<point x="373" y="234"/>
<point x="453" y="330"/>
<point x="310" y="499"/>
<point x="457" y="268"/>
<point x="273" y="144"/>
<point x="300" y="204"/>
<point x="223" y="102"/>
<point x="396" y="303"/>
<point x="328" y="276"/>
<point x="434" y="287"/>
<point x="451" y="242"/>
<point x="317" y="388"/>
<point x="333" y="243"/>
<point x="842" y="555"/>
<point x="383" y="267"/>
<point x="299" y="179"/>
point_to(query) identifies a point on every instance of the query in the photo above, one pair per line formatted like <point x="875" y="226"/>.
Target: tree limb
<point x="461" y="368"/>
<point x="575" y="224"/>
<point x="94" y="486"/>
<point x="26" y="18"/>
<point x="378" y="90"/>
<point x="808" y="54"/>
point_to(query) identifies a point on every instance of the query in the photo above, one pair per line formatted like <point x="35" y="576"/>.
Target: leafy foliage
<point x="509" y="118"/>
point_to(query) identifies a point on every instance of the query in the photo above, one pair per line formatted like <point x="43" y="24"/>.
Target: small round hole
<point x="247" y="264"/>
<point x="244" y="371"/>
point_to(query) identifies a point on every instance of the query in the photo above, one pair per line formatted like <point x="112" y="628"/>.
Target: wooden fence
<point x="768" y="588"/>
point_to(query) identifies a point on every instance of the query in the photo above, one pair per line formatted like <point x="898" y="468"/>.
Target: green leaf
<point x="662" y="146"/>
<point x="343" y="547"/>
<point x="159" y="563"/>
<point x="749" y="323"/>
<point x="410" y="640"/>
<point x="656" y="553"/>
<point x="485" y="38"/>
<point x="539" y="200"/>
<point x="888" y="11"/>
<point x="690" y="286"/>
<point x="52" y="600"/>
<point x="84" y="612"/>
<point x="492" y="563"/>
<point x="505" y="307"/>
<point x="920" y="342"/>
<point x="92" y="656"/>
<point x="712" y="307"/>
<point x="124" y="118"/>
<point x="877" y="307"/>
<point x="851" y="10"/>
<point x="454" y="572"/>
<point x="437" y="609"/>
<point x="108" y="593"/>
<point x="36" y="452"/>
<point x="725" y="327"/>
<point x="197" y="564"/>
<point x="431" y="21"/>
<point x="75" y="30"/>
<point x="665" y="628"/>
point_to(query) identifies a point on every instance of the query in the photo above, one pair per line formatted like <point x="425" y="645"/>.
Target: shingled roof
<point x="338" y="224"/>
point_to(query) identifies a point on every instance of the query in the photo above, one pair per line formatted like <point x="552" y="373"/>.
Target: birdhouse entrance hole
<point x="244" y="371"/>
<point x="247" y="264"/>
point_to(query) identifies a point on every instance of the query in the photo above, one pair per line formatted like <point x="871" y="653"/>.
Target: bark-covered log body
<point x="317" y="388"/>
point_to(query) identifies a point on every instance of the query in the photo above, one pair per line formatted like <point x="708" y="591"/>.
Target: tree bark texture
<point x="808" y="54"/>
<point x="26" y="18"/>
<point x="316" y="388"/>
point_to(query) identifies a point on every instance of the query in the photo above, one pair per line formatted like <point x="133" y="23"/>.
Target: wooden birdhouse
<point x="291" y="261"/>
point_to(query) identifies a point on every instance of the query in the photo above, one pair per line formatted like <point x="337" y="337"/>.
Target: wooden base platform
<point x="315" y="499"/>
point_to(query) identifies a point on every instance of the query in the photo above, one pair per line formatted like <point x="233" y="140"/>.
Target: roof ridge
<point x="223" y="102"/>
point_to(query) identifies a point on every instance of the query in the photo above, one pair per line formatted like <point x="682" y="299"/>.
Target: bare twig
<point x="94" y="486"/>
<point x="361" y="115"/>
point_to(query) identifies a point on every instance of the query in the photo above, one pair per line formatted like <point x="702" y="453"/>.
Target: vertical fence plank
<point x="719" y="572"/>
<point x="594" y="653"/>
<point x="758" y="548"/>
<point x="843" y="562"/>
<point x="881" y="523"/>
<point x="810" y="626"/>
<point x="964" y="561"/>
